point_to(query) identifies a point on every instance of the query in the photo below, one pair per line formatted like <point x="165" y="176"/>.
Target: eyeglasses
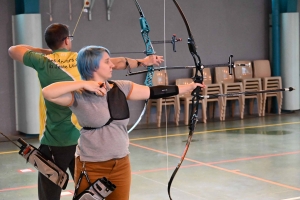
<point x="71" y="37"/>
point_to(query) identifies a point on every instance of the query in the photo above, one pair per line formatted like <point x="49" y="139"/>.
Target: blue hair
<point x="88" y="60"/>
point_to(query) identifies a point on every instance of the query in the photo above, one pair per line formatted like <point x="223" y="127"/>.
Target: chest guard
<point x="117" y="104"/>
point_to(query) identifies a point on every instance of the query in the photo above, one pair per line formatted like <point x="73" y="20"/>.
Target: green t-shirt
<point x="58" y="125"/>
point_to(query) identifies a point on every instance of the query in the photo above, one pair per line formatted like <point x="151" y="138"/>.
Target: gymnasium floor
<point x="257" y="158"/>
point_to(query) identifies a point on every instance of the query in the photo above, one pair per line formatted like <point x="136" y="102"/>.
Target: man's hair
<point x="55" y="35"/>
<point x="88" y="60"/>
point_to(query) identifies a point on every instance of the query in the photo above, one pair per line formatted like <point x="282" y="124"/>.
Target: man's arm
<point x="124" y="63"/>
<point x="17" y="52"/>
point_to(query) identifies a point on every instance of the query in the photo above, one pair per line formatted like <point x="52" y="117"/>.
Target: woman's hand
<point x="98" y="88"/>
<point x="194" y="85"/>
<point x="189" y="87"/>
<point x="152" y="60"/>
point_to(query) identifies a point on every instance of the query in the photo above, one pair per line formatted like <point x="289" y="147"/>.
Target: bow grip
<point x="196" y="91"/>
<point x="192" y="46"/>
<point x="198" y="79"/>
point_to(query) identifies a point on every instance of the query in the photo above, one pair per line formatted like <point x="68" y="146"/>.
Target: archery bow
<point x="198" y="78"/>
<point x="145" y="29"/>
<point x="196" y="97"/>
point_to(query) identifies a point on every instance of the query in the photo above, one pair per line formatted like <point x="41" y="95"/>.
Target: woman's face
<point x="105" y="67"/>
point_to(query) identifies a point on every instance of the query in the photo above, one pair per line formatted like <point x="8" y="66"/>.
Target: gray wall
<point x="7" y="101"/>
<point x="219" y="27"/>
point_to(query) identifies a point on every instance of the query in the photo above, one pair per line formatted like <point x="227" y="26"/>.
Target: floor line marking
<point x="218" y="130"/>
<point x="18" y="188"/>
<point x="195" y="133"/>
<point x="294" y="198"/>
<point x="223" y="169"/>
<point x="8" y="152"/>
<point x="155" y="181"/>
<point x="222" y="161"/>
<point x="24" y="187"/>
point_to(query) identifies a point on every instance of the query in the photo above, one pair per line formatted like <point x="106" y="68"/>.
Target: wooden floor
<point x="257" y="158"/>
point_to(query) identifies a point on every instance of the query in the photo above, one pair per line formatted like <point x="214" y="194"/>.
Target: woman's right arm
<point x="61" y="92"/>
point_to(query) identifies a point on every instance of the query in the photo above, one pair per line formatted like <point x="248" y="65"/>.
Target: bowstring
<point x="166" y="117"/>
<point x="78" y="20"/>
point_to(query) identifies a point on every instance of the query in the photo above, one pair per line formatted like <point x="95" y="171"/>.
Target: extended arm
<point x="141" y="92"/>
<point x="17" y="52"/>
<point x="120" y="62"/>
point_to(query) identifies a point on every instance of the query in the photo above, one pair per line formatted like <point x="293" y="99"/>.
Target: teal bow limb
<point x="145" y="29"/>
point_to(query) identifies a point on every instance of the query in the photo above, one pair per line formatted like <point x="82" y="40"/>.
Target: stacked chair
<point x="243" y="73"/>
<point x="212" y="89"/>
<point x="246" y="78"/>
<point x="229" y="86"/>
<point x="186" y="100"/>
<point x="161" y="78"/>
<point x="262" y="70"/>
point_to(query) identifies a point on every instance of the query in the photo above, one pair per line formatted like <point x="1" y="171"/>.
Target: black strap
<point x="92" y="128"/>
<point x="83" y="172"/>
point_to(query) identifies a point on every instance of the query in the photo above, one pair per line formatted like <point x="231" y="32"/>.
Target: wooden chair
<point x="262" y="69"/>
<point x="161" y="78"/>
<point x="229" y="86"/>
<point x="243" y="73"/>
<point x="212" y="89"/>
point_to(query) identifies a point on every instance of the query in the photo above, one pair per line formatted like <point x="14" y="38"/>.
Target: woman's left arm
<point x="142" y="92"/>
<point x="124" y="63"/>
<point x="139" y="92"/>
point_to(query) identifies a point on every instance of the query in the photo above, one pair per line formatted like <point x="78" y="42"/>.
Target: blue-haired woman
<point x="101" y="108"/>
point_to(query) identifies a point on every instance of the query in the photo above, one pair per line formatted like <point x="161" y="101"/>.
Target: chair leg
<point x="220" y="105"/>
<point x="204" y="107"/>
<point x="279" y="101"/>
<point x="148" y="111"/>
<point x="210" y="106"/>
<point x="177" y="110"/>
<point x="251" y="103"/>
<point x="224" y="108"/>
<point x="242" y="106"/>
<point x="269" y="104"/>
<point x="264" y="100"/>
<point x="259" y="104"/>
<point x="158" y="111"/>
<point x="186" y="111"/>
<point x="168" y="110"/>
<point x="233" y="108"/>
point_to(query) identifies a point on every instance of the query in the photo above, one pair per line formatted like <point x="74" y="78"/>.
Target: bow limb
<point x="196" y="94"/>
<point x="192" y="46"/>
<point x="145" y="29"/>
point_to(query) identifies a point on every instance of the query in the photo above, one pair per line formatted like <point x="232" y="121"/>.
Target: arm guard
<point x="162" y="91"/>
